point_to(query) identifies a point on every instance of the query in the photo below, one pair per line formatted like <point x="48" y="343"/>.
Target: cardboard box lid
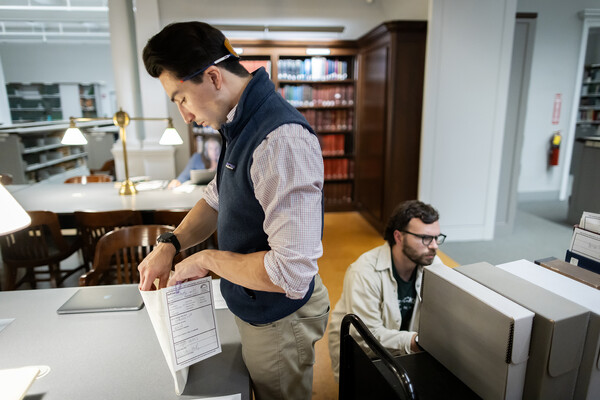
<point x="572" y="271"/>
<point x="479" y="335"/>
<point x="567" y="320"/>
<point x="576" y="292"/>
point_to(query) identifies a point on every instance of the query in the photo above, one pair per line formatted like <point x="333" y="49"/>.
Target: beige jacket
<point x="370" y="291"/>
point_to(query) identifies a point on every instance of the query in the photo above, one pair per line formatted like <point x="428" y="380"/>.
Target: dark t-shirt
<point x="406" y="296"/>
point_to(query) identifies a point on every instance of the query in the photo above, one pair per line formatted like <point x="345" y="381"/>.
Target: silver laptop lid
<point x="103" y="299"/>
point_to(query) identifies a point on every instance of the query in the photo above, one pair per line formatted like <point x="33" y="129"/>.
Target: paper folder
<point x="479" y="335"/>
<point x="557" y="336"/>
<point x="588" y="379"/>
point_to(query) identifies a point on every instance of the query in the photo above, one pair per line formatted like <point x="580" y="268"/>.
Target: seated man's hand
<point x="157" y="264"/>
<point x="414" y="346"/>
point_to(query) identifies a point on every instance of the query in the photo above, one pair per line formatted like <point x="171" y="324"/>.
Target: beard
<point x="420" y="258"/>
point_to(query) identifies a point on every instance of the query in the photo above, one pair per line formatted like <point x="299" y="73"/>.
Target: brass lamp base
<point x="127" y="188"/>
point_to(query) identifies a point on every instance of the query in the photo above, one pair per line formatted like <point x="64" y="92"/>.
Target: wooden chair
<point x="85" y="179"/>
<point x="91" y="226"/>
<point x="6" y="179"/>
<point x="108" y="168"/>
<point x="39" y="245"/>
<point x="119" y="252"/>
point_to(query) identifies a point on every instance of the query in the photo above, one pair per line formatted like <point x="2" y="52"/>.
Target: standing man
<point x="265" y="203"/>
<point x="383" y="285"/>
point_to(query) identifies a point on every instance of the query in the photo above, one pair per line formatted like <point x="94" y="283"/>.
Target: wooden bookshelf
<point x="327" y="100"/>
<point x="391" y="72"/>
<point x="371" y="135"/>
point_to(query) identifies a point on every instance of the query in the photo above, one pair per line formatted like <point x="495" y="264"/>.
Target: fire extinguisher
<point x="554" y="149"/>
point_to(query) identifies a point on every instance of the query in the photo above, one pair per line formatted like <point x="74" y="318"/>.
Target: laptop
<point x="103" y="299"/>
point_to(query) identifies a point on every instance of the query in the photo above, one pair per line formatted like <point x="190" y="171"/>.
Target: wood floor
<point x="346" y="236"/>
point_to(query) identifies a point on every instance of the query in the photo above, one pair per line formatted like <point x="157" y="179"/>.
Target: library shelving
<point x="88" y="100"/>
<point x="589" y="105"/>
<point x="37" y="102"/>
<point x="390" y="78"/>
<point x="34" y="102"/>
<point x="324" y="92"/>
<point x="32" y="152"/>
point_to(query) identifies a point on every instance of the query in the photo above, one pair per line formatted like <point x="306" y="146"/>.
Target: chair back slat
<point x="120" y="252"/>
<point x="91" y="226"/>
<point x="85" y="179"/>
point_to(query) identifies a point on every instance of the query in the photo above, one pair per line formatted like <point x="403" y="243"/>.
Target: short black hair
<point x="183" y="48"/>
<point x="406" y="211"/>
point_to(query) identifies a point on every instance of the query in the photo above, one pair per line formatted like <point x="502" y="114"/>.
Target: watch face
<point x="166" y="237"/>
<point x="169" y="237"/>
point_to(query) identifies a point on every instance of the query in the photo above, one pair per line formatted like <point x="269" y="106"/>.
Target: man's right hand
<point x="157" y="264"/>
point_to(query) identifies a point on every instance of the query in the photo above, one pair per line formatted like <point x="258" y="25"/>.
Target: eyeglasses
<point x="427" y="239"/>
<point x="190" y="76"/>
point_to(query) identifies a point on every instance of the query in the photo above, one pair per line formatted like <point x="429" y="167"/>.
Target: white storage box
<point x="588" y="379"/>
<point x="479" y="335"/>
<point x="557" y="336"/>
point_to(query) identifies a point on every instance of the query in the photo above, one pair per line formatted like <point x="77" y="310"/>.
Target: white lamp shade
<point x="170" y="137"/>
<point x="12" y="216"/>
<point x="73" y="136"/>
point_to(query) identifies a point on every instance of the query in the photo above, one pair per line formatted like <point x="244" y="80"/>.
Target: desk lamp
<point x="12" y="216"/>
<point x="73" y="136"/>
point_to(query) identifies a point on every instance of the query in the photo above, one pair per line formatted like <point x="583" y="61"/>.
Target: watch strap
<point x="169" y="237"/>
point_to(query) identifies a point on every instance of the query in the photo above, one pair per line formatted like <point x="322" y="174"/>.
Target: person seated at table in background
<point x="383" y="285"/>
<point x="210" y="157"/>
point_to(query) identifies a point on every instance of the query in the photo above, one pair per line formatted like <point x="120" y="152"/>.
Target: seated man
<point x="383" y="285"/>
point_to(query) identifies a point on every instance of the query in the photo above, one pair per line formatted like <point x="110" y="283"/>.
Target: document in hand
<point x="183" y="317"/>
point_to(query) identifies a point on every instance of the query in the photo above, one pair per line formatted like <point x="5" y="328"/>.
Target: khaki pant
<point x="280" y="355"/>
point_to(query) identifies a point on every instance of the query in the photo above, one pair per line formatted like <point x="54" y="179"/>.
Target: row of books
<point x="338" y="193"/>
<point x="253" y="65"/>
<point x="312" y="69"/>
<point x="591" y="74"/>
<point x="330" y="120"/>
<point x="333" y="145"/>
<point x="590" y="89"/>
<point x="338" y="168"/>
<point x="310" y="96"/>
<point x="589" y="115"/>
<point x="592" y="101"/>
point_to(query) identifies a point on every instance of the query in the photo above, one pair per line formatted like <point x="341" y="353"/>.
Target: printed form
<point x="183" y="317"/>
<point x="192" y="323"/>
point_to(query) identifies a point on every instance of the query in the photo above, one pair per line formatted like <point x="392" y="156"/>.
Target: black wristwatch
<point x="169" y="237"/>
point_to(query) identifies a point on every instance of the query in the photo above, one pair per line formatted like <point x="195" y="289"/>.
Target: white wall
<point x="51" y="62"/>
<point x="4" y="108"/>
<point x="553" y="70"/>
<point x="469" y="49"/>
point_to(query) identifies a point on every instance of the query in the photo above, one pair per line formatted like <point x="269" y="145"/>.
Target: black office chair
<point x="360" y="377"/>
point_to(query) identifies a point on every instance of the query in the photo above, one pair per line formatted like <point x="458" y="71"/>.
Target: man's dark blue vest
<point x="240" y="224"/>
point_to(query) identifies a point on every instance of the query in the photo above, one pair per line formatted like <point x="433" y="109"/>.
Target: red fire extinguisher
<point x="554" y="149"/>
